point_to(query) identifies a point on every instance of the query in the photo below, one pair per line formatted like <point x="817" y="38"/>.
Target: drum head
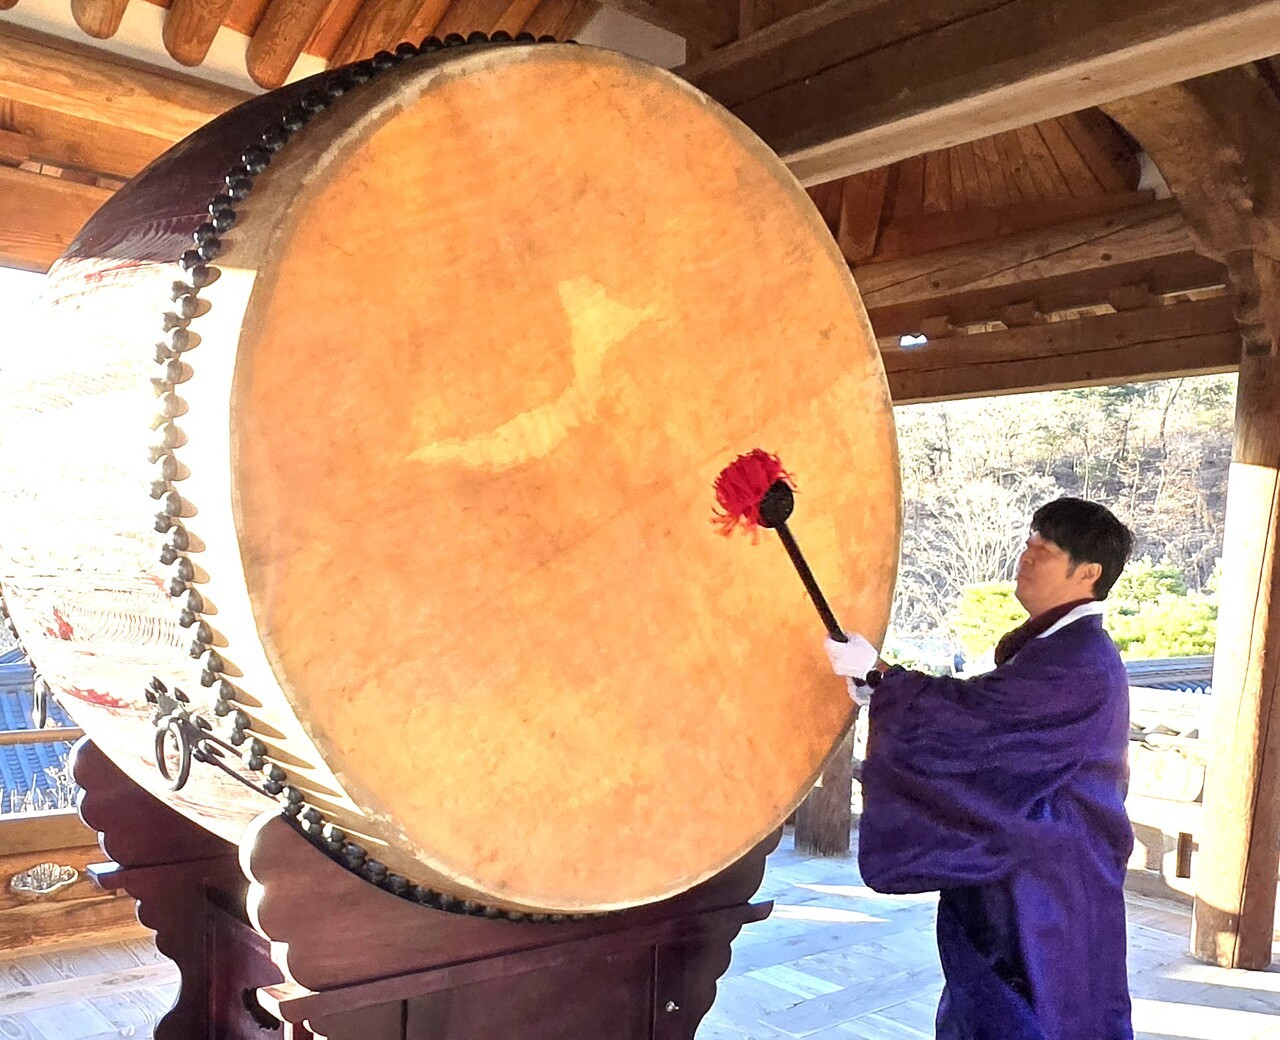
<point x="508" y="327"/>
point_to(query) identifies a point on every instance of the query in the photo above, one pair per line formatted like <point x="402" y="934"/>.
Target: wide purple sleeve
<point x="959" y="772"/>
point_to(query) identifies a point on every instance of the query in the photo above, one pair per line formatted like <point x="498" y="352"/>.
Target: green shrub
<point x="1171" y="626"/>
<point x="982" y="614"/>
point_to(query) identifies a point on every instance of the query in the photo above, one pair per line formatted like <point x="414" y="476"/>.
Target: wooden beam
<point x="1056" y="293"/>
<point x="516" y="16"/>
<point x="857" y="84"/>
<point x="277" y="44"/>
<point x="334" y="23"/>
<point x="1141" y="233"/>
<point x="39" y="216"/>
<point x="1215" y="141"/>
<point x="98" y="18"/>
<point x="710" y="22"/>
<point x="15" y="148"/>
<point x="466" y="16"/>
<point x="1057" y="268"/>
<point x="1157" y="343"/>
<point x="77" y="81"/>
<point x="861" y="209"/>
<point x="190" y="26"/>
<point x="943" y="228"/>
<point x="561" y="18"/>
<point x="73" y="144"/>
<point x="755" y="15"/>
<point x="378" y="25"/>
<point x="426" y="19"/>
<point x="1112" y="160"/>
<point x="47" y="829"/>
<point x="54" y="735"/>
<point x="1236" y="871"/>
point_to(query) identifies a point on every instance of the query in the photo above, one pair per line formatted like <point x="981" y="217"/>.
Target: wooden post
<point x="1236" y="872"/>
<point x="1216" y="141"/>
<point x="824" y="820"/>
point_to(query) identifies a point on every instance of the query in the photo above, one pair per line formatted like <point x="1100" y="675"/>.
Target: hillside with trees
<point x="973" y="472"/>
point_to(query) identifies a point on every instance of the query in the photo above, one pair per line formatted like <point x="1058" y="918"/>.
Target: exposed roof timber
<point x="43" y="136"/>
<point x="464" y="16"/>
<point x="190" y="26"/>
<point x="1053" y="269"/>
<point x="378" y="21"/>
<point x="1196" y="338"/>
<point x="1214" y="140"/>
<point x="926" y="232"/>
<point x="709" y="22"/>
<point x="99" y="18"/>
<point x="278" y="42"/>
<point x="1052" y="292"/>
<point x="561" y="18"/>
<point x="1156" y="229"/>
<point x="65" y="77"/>
<point x="39" y="216"/>
<point x="856" y="84"/>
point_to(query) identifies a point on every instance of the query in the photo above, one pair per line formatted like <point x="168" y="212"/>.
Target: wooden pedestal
<point x="275" y="940"/>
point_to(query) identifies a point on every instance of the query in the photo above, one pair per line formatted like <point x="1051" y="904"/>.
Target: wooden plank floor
<point x="834" y="962"/>
<point x="837" y="961"/>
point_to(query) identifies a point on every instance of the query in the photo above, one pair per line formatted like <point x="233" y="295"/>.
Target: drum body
<point x="395" y="481"/>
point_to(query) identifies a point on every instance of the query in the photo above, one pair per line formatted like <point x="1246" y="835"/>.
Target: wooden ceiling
<point x="339" y="31"/>
<point x="1047" y="173"/>
<point x="1029" y="258"/>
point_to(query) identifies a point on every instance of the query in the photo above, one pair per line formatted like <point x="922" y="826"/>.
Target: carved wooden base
<point x="276" y="940"/>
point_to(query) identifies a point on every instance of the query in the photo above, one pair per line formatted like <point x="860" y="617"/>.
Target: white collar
<point x="1082" y="611"/>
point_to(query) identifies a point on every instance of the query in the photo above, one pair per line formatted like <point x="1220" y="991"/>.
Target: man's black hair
<point x="1089" y="533"/>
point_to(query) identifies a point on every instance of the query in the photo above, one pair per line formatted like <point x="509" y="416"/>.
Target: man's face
<point x="1045" y="577"/>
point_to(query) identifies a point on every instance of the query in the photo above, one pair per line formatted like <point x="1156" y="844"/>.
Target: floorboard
<point x="835" y="961"/>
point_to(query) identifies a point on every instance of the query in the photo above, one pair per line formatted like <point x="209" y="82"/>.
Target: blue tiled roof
<point x="25" y="767"/>
<point x="1181" y="674"/>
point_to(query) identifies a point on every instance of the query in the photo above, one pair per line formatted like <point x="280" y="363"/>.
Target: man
<point x="1005" y="792"/>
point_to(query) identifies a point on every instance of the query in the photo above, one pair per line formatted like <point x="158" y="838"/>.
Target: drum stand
<point x="275" y="940"/>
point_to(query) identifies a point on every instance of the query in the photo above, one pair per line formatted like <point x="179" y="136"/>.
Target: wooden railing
<point x="48" y="735"/>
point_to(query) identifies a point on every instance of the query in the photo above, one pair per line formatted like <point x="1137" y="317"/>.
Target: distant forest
<point x="1157" y="454"/>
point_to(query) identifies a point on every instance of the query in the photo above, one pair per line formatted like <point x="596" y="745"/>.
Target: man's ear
<point x="1092" y="572"/>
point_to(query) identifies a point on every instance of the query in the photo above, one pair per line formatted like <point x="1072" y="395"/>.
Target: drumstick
<point x="755" y="491"/>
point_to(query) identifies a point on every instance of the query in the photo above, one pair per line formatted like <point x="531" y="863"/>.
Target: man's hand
<point x="852" y="659"/>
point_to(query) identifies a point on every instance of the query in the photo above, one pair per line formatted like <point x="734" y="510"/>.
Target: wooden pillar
<point x="1216" y="139"/>
<point x="1238" y="861"/>
<point x="824" y="820"/>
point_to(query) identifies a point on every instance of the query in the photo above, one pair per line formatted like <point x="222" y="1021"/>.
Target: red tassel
<point x="740" y="487"/>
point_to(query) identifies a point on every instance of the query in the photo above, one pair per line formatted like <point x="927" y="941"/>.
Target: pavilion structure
<point x="1052" y="193"/>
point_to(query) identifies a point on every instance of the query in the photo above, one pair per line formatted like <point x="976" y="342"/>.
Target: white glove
<point x="852" y="659"/>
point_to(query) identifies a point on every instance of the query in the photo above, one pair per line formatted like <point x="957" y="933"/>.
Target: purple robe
<point x="1005" y="793"/>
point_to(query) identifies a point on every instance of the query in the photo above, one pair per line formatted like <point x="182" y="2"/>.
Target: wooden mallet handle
<point x="775" y="508"/>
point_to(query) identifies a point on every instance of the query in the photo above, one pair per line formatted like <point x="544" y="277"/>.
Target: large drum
<point x="385" y="500"/>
